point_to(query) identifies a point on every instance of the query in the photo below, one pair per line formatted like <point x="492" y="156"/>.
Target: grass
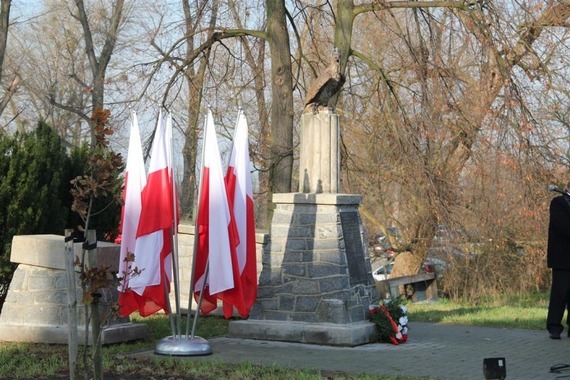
<point x="42" y="361"/>
<point x="527" y="311"/>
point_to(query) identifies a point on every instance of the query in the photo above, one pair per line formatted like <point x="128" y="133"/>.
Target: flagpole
<point x="175" y="268"/>
<point x="196" y="236"/>
<point x="207" y="271"/>
<point x="167" y="301"/>
<point x="234" y="138"/>
<point x="174" y="235"/>
<point x="166" y="295"/>
<point x="127" y="273"/>
<point x="195" y="323"/>
<point x="176" y="344"/>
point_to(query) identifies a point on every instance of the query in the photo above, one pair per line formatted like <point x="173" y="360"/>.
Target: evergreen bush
<point x="36" y="169"/>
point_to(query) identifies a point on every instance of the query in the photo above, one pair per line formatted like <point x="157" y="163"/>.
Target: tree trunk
<point x="281" y="160"/>
<point x="96" y="330"/>
<point x="4" y="24"/>
<point x="73" y="341"/>
<point x="195" y="80"/>
<point x="343" y="31"/>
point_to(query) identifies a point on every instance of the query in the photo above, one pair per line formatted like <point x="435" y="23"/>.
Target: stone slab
<point x="330" y="334"/>
<point x="48" y="251"/>
<point x="320" y="199"/>
<point x="50" y="334"/>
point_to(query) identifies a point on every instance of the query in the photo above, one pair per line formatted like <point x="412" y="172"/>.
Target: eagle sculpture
<point x="327" y="85"/>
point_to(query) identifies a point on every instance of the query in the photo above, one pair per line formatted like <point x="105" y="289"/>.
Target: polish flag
<point x="239" y="188"/>
<point x="135" y="181"/>
<point x="153" y="249"/>
<point x="216" y="269"/>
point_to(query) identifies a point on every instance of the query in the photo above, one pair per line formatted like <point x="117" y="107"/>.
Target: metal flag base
<point x="183" y="346"/>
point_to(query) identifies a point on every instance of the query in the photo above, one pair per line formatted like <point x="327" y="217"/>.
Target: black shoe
<point x="554" y="335"/>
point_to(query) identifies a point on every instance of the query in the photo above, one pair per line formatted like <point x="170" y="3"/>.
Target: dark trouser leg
<point x="558" y="300"/>
<point x="568" y="309"/>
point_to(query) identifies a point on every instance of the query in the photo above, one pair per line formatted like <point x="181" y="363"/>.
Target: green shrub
<point x="34" y="168"/>
<point x="35" y="173"/>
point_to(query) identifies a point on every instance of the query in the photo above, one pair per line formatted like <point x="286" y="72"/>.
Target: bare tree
<point x="195" y="82"/>
<point x="53" y="54"/>
<point x="435" y="91"/>
<point x="4" y="25"/>
<point x="277" y="162"/>
<point x="99" y="63"/>
<point x="66" y="67"/>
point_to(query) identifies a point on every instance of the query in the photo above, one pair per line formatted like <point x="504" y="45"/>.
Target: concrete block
<point x="36" y="307"/>
<point x="319" y="155"/>
<point x="58" y="334"/>
<point x="297" y="199"/>
<point x="48" y="251"/>
<point x="40" y="282"/>
<point x="352" y="334"/>
<point x="44" y="314"/>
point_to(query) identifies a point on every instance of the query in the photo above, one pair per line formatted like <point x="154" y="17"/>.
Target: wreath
<point x="391" y="320"/>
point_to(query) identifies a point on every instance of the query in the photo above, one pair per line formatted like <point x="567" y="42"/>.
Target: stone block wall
<point x="186" y="254"/>
<point x="311" y="271"/>
<point x="316" y="283"/>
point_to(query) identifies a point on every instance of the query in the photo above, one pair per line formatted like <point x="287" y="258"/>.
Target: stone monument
<point x="36" y="306"/>
<point x="315" y="284"/>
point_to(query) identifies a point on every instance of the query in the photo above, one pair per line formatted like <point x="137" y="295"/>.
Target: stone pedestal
<point x="185" y="257"/>
<point x="36" y="306"/>
<point x="319" y="156"/>
<point x="316" y="283"/>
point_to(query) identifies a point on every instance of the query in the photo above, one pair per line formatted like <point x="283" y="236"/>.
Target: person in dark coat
<point x="558" y="259"/>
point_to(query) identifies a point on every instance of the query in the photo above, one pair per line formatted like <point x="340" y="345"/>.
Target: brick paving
<point x="435" y="351"/>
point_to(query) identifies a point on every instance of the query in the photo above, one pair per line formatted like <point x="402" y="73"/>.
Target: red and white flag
<point x="216" y="268"/>
<point x="135" y="181"/>
<point x="240" y="195"/>
<point x="149" y="290"/>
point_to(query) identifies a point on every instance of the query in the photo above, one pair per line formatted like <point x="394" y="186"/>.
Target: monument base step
<point x="117" y="333"/>
<point x="328" y="334"/>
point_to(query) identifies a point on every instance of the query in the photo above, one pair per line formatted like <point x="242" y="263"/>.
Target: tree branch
<point x="206" y="45"/>
<point x="67" y="108"/>
<point x="111" y="39"/>
<point x="382" y="5"/>
<point x="9" y="92"/>
<point x="89" y="48"/>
